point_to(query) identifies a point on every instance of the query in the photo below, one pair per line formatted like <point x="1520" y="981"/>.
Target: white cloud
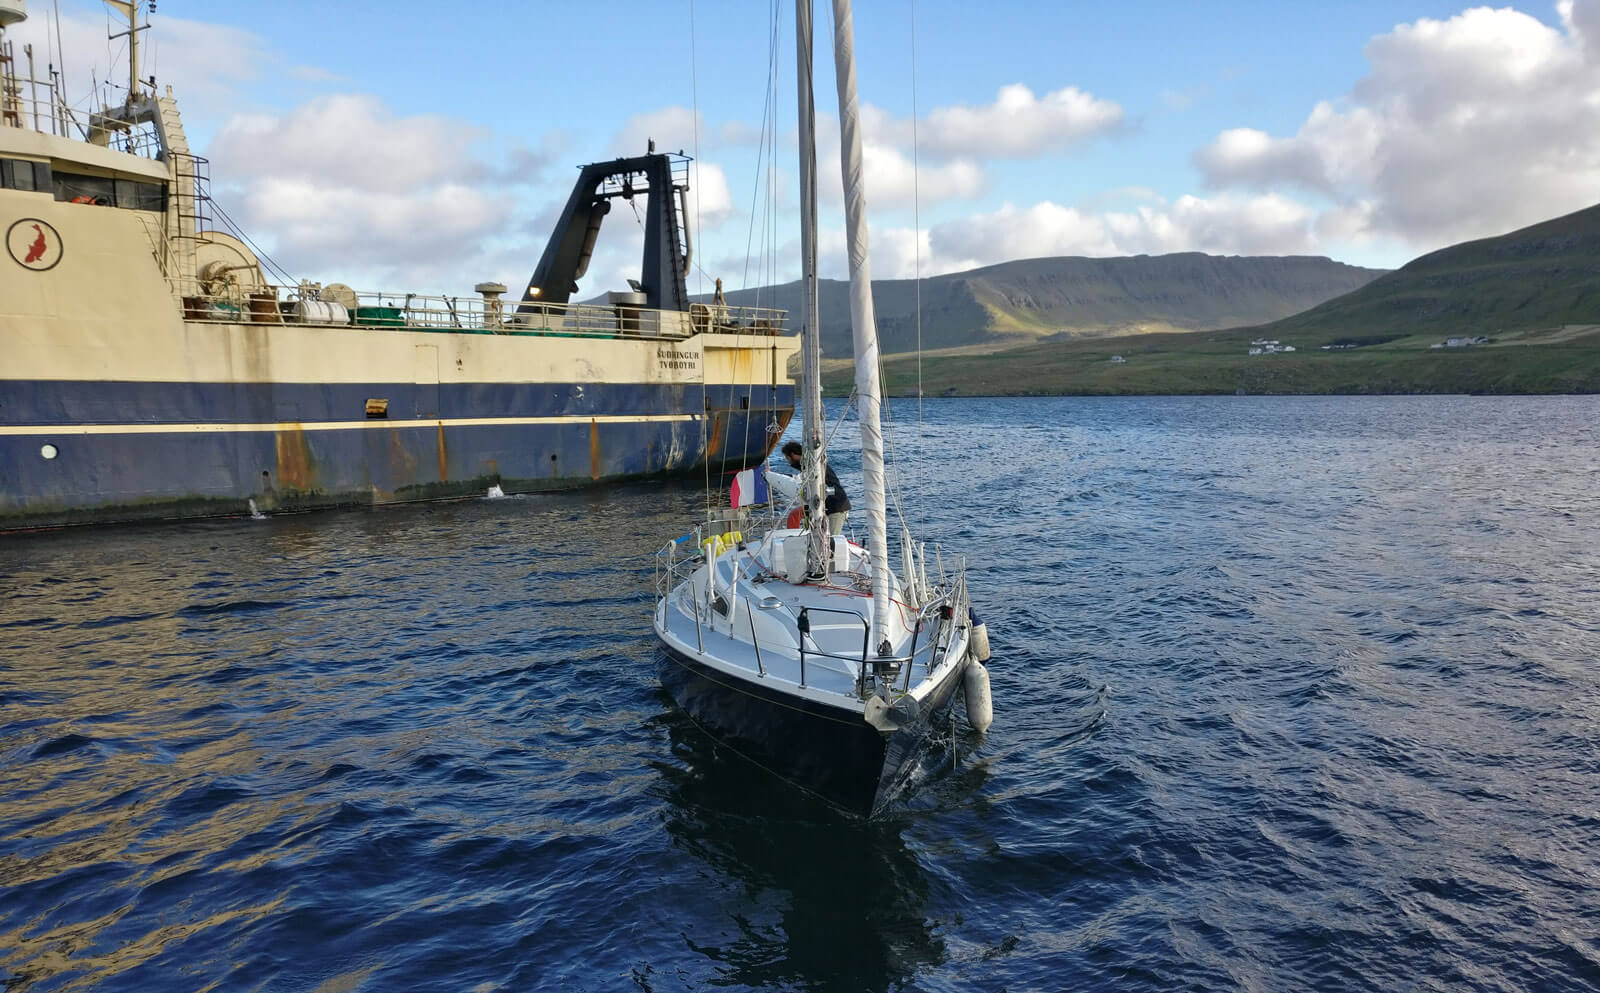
<point x="1248" y="157"/>
<point x="348" y="140"/>
<point x="952" y="143"/>
<point x="339" y="187"/>
<point x="737" y="133"/>
<point x="1464" y="127"/>
<point x="892" y="180"/>
<point x="1018" y="124"/>
<point x="342" y="188"/>
<point x="322" y="227"/>
<point x="901" y="253"/>
<point x="710" y="199"/>
<point x="1228" y="225"/>
<point x="1012" y="232"/>
<point x="672" y="128"/>
<point x="1583" y="21"/>
<point x="195" y="55"/>
<point x="208" y="65"/>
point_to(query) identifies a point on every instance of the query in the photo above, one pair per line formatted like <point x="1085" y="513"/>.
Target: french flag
<point x="749" y="488"/>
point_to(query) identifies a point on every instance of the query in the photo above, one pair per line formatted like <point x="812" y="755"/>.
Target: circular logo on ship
<point x="34" y="244"/>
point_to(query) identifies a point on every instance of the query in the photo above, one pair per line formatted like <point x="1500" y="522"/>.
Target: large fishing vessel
<point x="151" y="367"/>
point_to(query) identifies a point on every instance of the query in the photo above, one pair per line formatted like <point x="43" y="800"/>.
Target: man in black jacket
<point x="838" y="502"/>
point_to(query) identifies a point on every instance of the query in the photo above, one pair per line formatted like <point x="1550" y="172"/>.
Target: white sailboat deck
<point x="737" y="613"/>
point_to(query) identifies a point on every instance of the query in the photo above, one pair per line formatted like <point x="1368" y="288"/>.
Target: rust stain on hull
<point x="296" y="470"/>
<point x="594" y="449"/>
<point x="714" y="440"/>
<point x="401" y="466"/>
<point x="444" y="461"/>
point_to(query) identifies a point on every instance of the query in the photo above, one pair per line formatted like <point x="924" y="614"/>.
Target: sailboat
<point x="813" y="656"/>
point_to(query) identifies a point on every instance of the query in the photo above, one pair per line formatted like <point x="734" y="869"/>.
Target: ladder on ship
<point x="189" y="199"/>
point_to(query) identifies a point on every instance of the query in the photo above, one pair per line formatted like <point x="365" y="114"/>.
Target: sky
<point x="425" y="146"/>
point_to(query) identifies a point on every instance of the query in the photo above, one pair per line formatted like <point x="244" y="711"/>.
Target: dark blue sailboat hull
<point x="830" y="752"/>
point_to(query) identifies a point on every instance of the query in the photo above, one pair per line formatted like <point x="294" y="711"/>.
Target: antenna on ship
<point x="131" y="9"/>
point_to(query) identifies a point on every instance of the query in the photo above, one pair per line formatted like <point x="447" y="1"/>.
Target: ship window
<point x="85" y="189"/>
<point x="141" y="196"/>
<point x="129" y="194"/>
<point x="17" y="174"/>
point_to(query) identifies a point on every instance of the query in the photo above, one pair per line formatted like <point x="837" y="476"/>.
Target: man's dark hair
<point x="792" y="448"/>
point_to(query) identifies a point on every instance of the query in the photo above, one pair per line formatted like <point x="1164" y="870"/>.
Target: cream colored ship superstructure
<point x="151" y="367"/>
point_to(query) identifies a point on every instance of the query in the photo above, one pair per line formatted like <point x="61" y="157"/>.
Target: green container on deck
<point x="380" y="317"/>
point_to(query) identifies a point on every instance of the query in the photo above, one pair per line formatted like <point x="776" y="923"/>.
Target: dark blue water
<point x="1292" y="694"/>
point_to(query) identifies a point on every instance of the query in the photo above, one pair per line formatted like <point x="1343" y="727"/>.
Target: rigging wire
<point x="772" y="217"/>
<point x="772" y="162"/>
<point x="849" y="402"/>
<point x="705" y="422"/>
<point x="50" y="54"/>
<point x="61" y="53"/>
<point x="769" y="121"/>
<point x="893" y="480"/>
<point x="767" y="112"/>
<point x="694" y="90"/>
<point x="893" y="491"/>
<point x="916" y="206"/>
<point x="261" y="254"/>
<point x="766" y="168"/>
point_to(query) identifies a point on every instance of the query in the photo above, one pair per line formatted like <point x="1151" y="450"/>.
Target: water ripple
<point x="1292" y="694"/>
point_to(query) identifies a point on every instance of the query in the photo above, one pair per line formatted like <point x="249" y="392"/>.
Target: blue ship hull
<point x="126" y="451"/>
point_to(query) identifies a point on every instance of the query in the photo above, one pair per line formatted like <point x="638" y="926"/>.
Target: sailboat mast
<point x="863" y="324"/>
<point x="810" y="332"/>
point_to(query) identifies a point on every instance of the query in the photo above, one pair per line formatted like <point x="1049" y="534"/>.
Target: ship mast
<point x="130" y="8"/>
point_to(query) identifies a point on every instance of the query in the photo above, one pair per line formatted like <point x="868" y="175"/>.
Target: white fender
<point x="980" y="705"/>
<point x="978" y="646"/>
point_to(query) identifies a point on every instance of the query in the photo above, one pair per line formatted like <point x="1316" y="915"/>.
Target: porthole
<point x="48" y="451"/>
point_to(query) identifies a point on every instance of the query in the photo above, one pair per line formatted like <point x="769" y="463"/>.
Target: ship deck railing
<point x="468" y="314"/>
<point x="34" y="103"/>
<point x="933" y="627"/>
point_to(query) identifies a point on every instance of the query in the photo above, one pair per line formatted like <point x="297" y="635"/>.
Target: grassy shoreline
<point x="1563" y="360"/>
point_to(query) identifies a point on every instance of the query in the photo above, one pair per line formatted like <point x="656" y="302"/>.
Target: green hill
<point x="1523" y="310"/>
<point x="1542" y="276"/>
<point x="1017" y="303"/>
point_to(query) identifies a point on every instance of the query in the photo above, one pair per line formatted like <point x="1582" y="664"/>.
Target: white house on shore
<point x="1269" y="346"/>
